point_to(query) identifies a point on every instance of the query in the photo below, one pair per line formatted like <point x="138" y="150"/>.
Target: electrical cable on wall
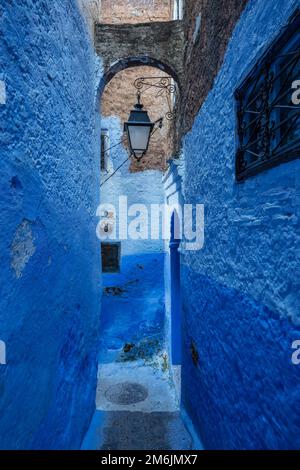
<point x="110" y="176"/>
<point x="159" y="122"/>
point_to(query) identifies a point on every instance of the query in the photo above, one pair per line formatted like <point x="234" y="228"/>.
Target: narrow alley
<point x="137" y="409"/>
<point x="150" y="227"/>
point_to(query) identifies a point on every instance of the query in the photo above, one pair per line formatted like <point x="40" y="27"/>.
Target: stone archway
<point x="136" y="61"/>
<point x="155" y="44"/>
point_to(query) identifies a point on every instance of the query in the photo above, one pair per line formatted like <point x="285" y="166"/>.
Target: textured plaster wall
<point x="91" y="11"/>
<point x="50" y="264"/>
<point x="173" y="189"/>
<point x="241" y="292"/>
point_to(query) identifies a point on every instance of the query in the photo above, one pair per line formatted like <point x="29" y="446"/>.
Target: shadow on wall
<point x="240" y="386"/>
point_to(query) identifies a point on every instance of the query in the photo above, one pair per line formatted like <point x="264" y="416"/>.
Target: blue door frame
<point x="176" y="325"/>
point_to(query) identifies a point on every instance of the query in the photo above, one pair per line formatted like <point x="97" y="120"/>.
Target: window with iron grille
<point x="268" y="118"/>
<point x="104" y="149"/>
<point x="111" y="256"/>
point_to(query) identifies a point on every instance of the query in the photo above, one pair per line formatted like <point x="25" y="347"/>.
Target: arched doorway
<point x="175" y="290"/>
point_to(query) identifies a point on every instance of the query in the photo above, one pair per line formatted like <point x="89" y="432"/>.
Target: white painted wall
<point x="139" y="188"/>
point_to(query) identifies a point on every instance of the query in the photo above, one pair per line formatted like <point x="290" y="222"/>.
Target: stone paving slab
<point x="154" y="391"/>
<point x="137" y="409"/>
<point x="123" y="430"/>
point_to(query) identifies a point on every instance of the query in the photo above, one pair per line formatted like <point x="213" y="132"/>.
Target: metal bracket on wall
<point x="164" y="86"/>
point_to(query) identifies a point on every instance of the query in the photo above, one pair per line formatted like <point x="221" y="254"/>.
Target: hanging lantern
<point x="139" y="129"/>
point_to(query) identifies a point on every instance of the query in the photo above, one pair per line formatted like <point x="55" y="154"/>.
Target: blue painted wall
<point x="241" y="292"/>
<point x="135" y="313"/>
<point x="49" y="191"/>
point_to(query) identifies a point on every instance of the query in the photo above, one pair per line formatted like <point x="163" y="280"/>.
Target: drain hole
<point x="126" y="393"/>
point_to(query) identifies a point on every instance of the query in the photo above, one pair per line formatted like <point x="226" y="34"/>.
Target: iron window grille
<point x="268" y="121"/>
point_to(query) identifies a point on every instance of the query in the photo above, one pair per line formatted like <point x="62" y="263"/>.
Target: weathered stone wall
<point x="241" y="292"/>
<point x="50" y="263"/>
<point x="139" y="305"/>
<point x="208" y="28"/>
<point x="160" y="42"/>
<point x="136" y="11"/>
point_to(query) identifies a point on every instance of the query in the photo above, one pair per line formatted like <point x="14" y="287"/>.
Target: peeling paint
<point x="22" y="248"/>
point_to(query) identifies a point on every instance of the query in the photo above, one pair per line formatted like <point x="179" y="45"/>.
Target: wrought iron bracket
<point x="164" y="86"/>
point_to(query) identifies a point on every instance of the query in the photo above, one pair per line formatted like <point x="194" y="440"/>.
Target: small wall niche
<point x="111" y="257"/>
